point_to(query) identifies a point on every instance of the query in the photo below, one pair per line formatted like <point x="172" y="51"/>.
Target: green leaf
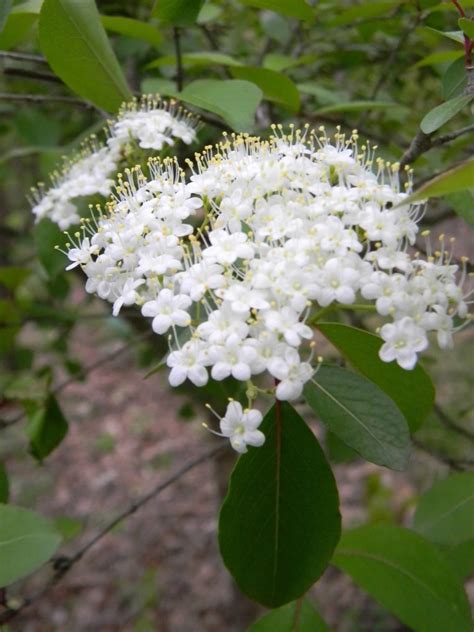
<point x="467" y="27"/>
<point x="4" y="484"/>
<point x="291" y="618"/>
<point x="208" y="13"/>
<point x="177" y="12"/>
<point x="323" y="95"/>
<point x="454" y="79"/>
<point x="407" y="575"/>
<point x="461" y="558"/>
<point x="441" y="57"/>
<point x="12" y="277"/>
<point x="463" y="205"/>
<point x="75" y="44"/>
<point x="445" y="514"/>
<point x="412" y="391"/>
<point x="132" y="28"/>
<point x="275" y="86"/>
<point x="443" y="113"/>
<point x="46" y="429"/>
<point x="455" y="36"/>
<point x="357" y="106"/>
<point x="4" y="11"/>
<point x="205" y="58"/>
<point x="280" y="520"/>
<point x="365" y="10"/>
<point x="17" y="29"/>
<point x="47" y="236"/>
<point x="278" y="62"/>
<point x="292" y="8"/>
<point x="153" y="85"/>
<point x="27" y="541"/>
<point x="459" y="178"/>
<point x="361" y="415"/>
<point x="234" y="100"/>
<point x="69" y="528"/>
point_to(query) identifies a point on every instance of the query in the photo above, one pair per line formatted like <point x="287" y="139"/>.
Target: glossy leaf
<point x="407" y="575"/>
<point x="4" y="484"/>
<point x="291" y="618"/>
<point x="459" y="178"/>
<point x="445" y="514"/>
<point x="443" y="113"/>
<point x="275" y="86"/>
<point x="234" y="100"/>
<point x="454" y="79"/>
<point x="455" y="36"/>
<point x="27" y="541"/>
<point x="46" y="429"/>
<point x="74" y="42"/>
<point x="463" y="205"/>
<point x="412" y="391"/>
<point x="177" y="12"/>
<point x="47" y="236"/>
<point x="280" y="520"/>
<point x="361" y="415"/>
<point x="132" y="28"/>
<point x="292" y="8"/>
<point x="467" y="27"/>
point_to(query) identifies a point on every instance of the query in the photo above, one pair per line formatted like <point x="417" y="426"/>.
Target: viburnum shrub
<point x="237" y="257"/>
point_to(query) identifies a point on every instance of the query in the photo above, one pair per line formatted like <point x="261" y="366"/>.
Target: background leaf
<point x="74" y="42"/>
<point x="5" y="7"/>
<point x="459" y="178"/>
<point x="234" y="100"/>
<point x="443" y="113"/>
<point x="412" y="391"/>
<point x="357" y="106"/>
<point x="4" y="484"/>
<point x="177" y="12"/>
<point x="361" y="415"/>
<point x="445" y="514"/>
<point x="47" y="236"/>
<point x="283" y="620"/>
<point x="280" y="520"/>
<point x="407" y="575"/>
<point x="467" y="27"/>
<point x="275" y="86"/>
<point x="46" y="429"/>
<point x="132" y="28"/>
<point x="292" y="8"/>
<point x="27" y="541"/>
<point x="463" y="205"/>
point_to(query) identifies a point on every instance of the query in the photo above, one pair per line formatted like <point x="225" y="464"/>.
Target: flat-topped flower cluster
<point x="233" y="260"/>
<point x="151" y="123"/>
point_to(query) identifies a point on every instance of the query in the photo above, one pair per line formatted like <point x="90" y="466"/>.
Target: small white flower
<point x="188" y="362"/>
<point x="241" y="426"/>
<point x="168" y="310"/>
<point x="291" y="373"/>
<point x="403" y="340"/>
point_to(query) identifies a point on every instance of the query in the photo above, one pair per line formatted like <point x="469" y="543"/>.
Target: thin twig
<point x="452" y="425"/>
<point x="179" y="59"/>
<point x="424" y="142"/>
<point x="31" y="74"/>
<point x="62" y="565"/>
<point x="455" y="464"/>
<point x="45" y="99"/>
<point x="37" y="59"/>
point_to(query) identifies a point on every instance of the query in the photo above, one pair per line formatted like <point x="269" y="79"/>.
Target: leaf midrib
<point x="442" y="517"/>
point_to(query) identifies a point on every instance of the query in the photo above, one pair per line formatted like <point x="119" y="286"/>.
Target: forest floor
<point x="160" y="569"/>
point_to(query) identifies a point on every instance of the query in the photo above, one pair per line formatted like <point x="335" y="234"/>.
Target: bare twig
<point x="45" y="99"/>
<point x="455" y="464"/>
<point x="452" y="425"/>
<point x="424" y="142"/>
<point x="62" y="565"/>
<point x="37" y="59"/>
<point x="31" y="74"/>
<point x="179" y="58"/>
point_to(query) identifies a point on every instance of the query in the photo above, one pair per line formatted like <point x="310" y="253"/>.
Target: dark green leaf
<point x="234" y="100"/>
<point x="459" y="178"/>
<point x="463" y="205"/>
<point x="292" y="8"/>
<point x="47" y="236"/>
<point x="445" y="514"/>
<point x="4" y="484"/>
<point x="177" y="12"/>
<point x="467" y="27"/>
<point x="361" y="415"/>
<point x="454" y="79"/>
<point x="27" y="541"/>
<point x="407" y="575"/>
<point x="412" y="391"/>
<point x="337" y="450"/>
<point x="75" y="44"/>
<point x="291" y="618"/>
<point x="280" y="520"/>
<point x="275" y="86"/>
<point x="46" y="429"/>
<point x="443" y="113"/>
<point x="461" y="558"/>
<point x="132" y="28"/>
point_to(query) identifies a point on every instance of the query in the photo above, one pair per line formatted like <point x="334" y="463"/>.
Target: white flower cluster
<point x="151" y="123"/>
<point x="260" y="235"/>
